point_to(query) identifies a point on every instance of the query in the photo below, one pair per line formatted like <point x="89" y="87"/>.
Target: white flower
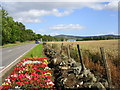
<point x="12" y="75"/>
<point x="50" y="83"/>
<point x="20" y="71"/>
<point x="8" y="80"/>
<point x="29" y="61"/>
<point x="28" y="77"/>
<point x="17" y="87"/>
<point x="15" y="75"/>
<point x="47" y="68"/>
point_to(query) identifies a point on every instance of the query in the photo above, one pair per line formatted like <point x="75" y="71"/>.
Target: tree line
<point x="97" y="38"/>
<point x="13" y="31"/>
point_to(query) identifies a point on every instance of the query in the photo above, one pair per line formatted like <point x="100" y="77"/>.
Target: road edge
<point x="6" y="69"/>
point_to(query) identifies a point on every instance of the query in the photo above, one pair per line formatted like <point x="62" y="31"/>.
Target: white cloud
<point x="33" y="16"/>
<point x="114" y="33"/>
<point x="54" y="34"/>
<point x="33" y="11"/>
<point x="112" y="5"/>
<point x="28" y="20"/>
<point x="37" y="13"/>
<point x="41" y="31"/>
<point x="95" y="4"/>
<point x="56" y="12"/>
<point x="55" y="0"/>
<point x="67" y="27"/>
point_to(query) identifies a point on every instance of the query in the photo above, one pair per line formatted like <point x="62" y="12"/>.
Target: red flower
<point x="48" y="77"/>
<point x="32" y="75"/>
<point x="39" y="70"/>
<point x="6" y="87"/>
<point x="31" y="82"/>
<point x="26" y="82"/>
<point x="35" y="78"/>
<point x="13" y="78"/>
<point x="35" y="87"/>
<point x="43" y="65"/>
<point x="20" y="83"/>
<point x="53" y="88"/>
<point x="46" y="85"/>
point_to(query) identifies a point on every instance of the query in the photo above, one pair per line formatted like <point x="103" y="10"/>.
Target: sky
<point x="68" y="18"/>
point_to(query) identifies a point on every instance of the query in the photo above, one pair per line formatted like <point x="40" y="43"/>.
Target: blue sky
<point x="78" y="19"/>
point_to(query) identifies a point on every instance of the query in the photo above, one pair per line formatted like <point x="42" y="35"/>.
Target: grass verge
<point x="15" y="44"/>
<point x="35" y="52"/>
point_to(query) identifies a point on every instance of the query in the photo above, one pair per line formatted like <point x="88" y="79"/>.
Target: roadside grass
<point x="15" y="44"/>
<point x="35" y="52"/>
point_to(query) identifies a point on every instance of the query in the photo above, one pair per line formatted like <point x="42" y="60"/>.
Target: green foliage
<point x="15" y="31"/>
<point x="35" y="52"/>
<point x="97" y="38"/>
<point x="78" y="39"/>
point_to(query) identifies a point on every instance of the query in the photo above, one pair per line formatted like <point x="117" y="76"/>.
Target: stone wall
<point x="68" y="73"/>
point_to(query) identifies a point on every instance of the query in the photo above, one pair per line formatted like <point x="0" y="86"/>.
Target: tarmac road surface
<point x="12" y="53"/>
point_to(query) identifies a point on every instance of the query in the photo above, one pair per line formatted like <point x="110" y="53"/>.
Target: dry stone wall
<point x="68" y="73"/>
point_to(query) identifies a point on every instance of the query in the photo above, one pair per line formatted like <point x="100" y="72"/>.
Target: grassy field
<point x="92" y="56"/>
<point x="110" y="46"/>
<point x="35" y="52"/>
<point x="15" y="44"/>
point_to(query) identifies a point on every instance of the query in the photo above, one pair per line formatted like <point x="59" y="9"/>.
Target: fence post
<point x="80" y="56"/>
<point x="52" y="46"/>
<point x="68" y="51"/>
<point x="61" y="48"/>
<point x="107" y="69"/>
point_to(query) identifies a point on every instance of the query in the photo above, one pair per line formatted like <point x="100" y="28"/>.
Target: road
<point x="12" y="53"/>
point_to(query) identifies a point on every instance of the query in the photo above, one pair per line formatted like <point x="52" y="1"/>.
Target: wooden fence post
<point x="107" y="69"/>
<point x="61" y="48"/>
<point x="80" y="56"/>
<point x="68" y="51"/>
<point x="52" y="46"/>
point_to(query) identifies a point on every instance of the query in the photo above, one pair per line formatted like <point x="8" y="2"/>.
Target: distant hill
<point x="81" y="37"/>
<point x="68" y="36"/>
<point x="71" y="36"/>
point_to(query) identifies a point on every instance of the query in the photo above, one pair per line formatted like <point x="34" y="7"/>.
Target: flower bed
<point x="30" y="74"/>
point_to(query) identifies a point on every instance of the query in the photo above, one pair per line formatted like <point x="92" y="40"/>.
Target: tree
<point x="15" y="31"/>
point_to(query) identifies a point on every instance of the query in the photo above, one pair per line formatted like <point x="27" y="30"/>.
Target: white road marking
<point x="16" y="60"/>
<point x="2" y="67"/>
